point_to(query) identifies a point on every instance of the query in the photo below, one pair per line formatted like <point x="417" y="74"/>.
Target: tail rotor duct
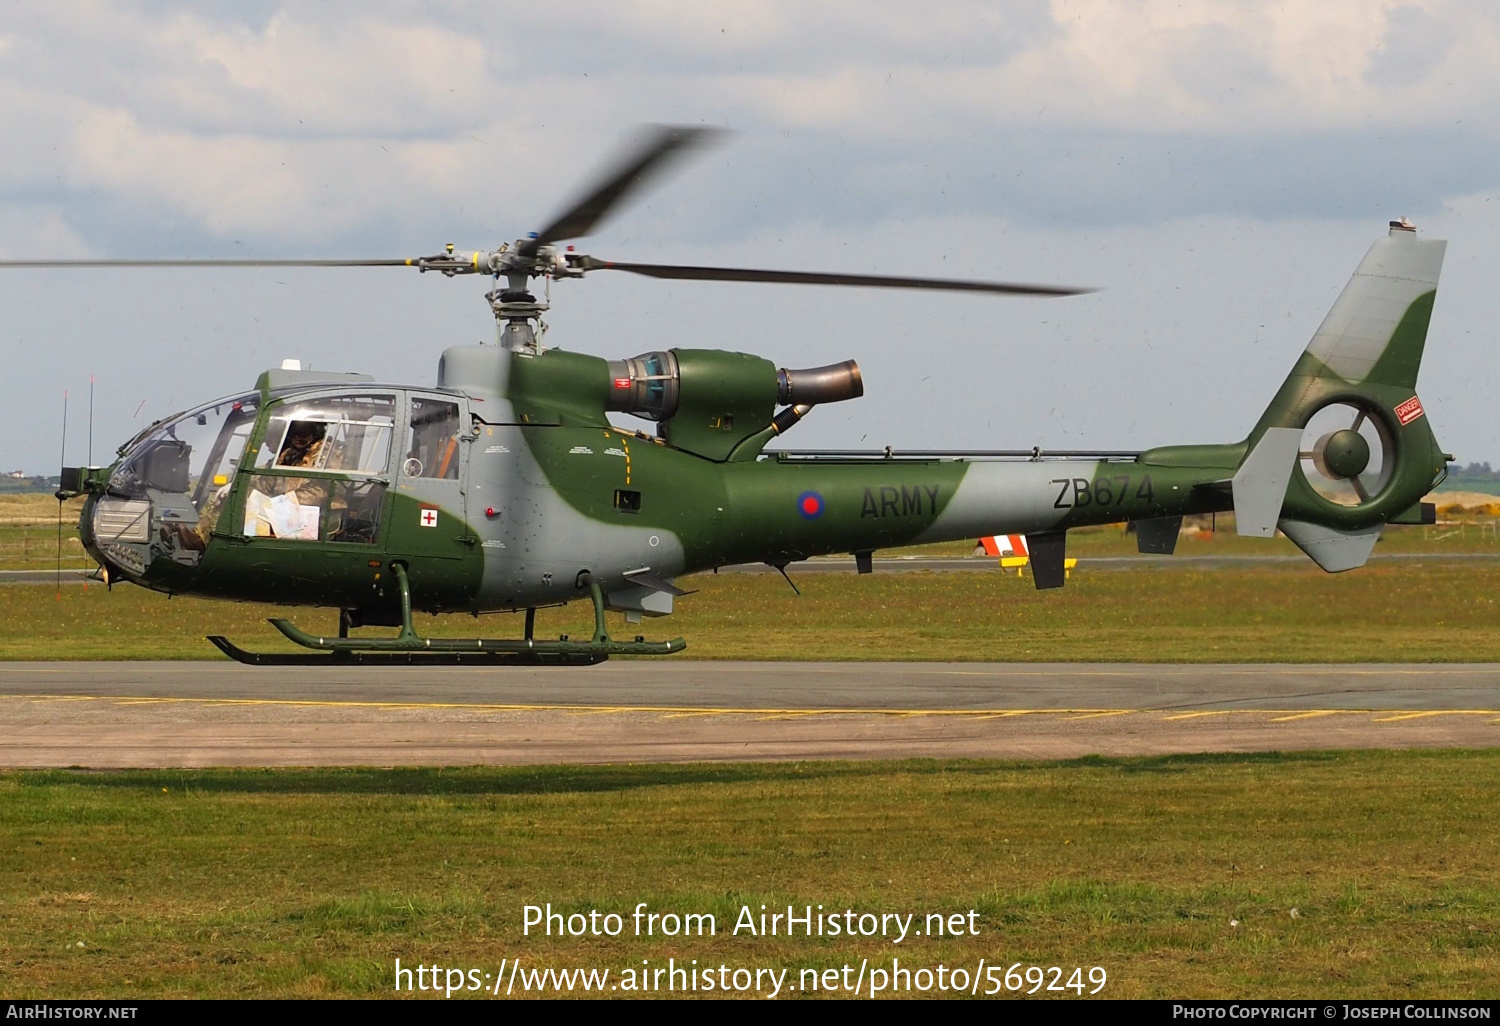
<point x="1347" y="455"/>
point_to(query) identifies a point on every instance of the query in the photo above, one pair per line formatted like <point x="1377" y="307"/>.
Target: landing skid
<point x="424" y="658"/>
<point x="409" y="648"/>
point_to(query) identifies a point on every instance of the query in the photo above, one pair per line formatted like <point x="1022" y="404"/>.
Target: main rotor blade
<point x="637" y="167"/>
<point x="681" y="271"/>
<point x="207" y="263"/>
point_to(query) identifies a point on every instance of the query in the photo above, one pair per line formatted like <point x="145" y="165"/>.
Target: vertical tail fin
<point x="1377" y="329"/>
<point x="1365" y="454"/>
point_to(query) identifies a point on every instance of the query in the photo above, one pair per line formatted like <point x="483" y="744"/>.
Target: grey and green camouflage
<point x="519" y="490"/>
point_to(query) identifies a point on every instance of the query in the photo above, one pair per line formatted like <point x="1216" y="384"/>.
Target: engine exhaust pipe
<point x="831" y="384"/>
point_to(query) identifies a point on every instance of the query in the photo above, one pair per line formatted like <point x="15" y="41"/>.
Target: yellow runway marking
<point x="1210" y="712"/>
<point x="1310" y="714"/>
<point x="1179" y="669"/>
<point x="1423" y="714"/>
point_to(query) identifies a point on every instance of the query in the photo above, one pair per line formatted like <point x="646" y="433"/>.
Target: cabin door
<point x="429" y="512"/>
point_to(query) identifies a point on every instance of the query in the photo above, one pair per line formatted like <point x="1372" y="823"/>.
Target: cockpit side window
<point x="348" y="434"/>
<point x="342" y="446"/>
<point x="432" y="439"/>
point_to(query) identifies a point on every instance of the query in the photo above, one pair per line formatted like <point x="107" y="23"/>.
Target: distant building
<point x="17" y="473"/>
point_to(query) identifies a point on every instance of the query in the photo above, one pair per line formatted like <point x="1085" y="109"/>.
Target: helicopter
<point x="507" y="487"/>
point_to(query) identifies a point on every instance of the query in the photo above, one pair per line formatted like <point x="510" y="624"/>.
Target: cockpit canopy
<point x="192" y="453"/>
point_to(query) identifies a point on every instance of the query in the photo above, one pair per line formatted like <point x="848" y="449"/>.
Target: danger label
<point x="1409" y="410"/>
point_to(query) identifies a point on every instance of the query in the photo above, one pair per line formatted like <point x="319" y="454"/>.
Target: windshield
<point x="191" y="452"/>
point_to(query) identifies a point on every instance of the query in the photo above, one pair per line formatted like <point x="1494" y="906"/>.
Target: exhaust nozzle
<point x="831" y="384"/>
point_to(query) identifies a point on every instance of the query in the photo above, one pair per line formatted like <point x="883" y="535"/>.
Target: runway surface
<point x="224" y="714"/>
<point x="899" y="564"/>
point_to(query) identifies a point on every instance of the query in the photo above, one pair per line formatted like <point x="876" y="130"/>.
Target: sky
<point x="1216" y="169"/>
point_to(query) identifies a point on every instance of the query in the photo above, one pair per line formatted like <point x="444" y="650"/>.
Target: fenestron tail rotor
<point x="1346" y="453"/>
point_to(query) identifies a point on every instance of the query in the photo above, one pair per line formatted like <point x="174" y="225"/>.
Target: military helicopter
<point x="505" y="486"/>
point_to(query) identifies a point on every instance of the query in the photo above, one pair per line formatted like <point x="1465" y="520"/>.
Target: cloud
<point x="357" y="125"/>
<point x="1215" y="156"/>
<point x="1413" y="47"/>
<point x="356" y="78"/>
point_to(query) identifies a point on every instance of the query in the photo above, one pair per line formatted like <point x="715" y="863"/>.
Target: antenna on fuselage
<point x="61" y="461"/>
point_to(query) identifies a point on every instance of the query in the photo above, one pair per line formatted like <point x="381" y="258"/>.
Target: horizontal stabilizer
<point x="1421" y="513"/>
<point x="1260" y="483"/>
<point x="1334" y="551"/>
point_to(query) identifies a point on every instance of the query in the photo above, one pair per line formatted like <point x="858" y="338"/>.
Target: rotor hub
<point x="1346" y="453"/>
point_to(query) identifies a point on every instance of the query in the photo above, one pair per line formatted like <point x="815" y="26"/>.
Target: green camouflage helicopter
<point x="507" y="487"/>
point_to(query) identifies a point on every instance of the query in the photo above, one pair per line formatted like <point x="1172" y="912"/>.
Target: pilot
<point x="208" y="519"/>
<point x="307" y="445"/>
<point x="304" y="442"/>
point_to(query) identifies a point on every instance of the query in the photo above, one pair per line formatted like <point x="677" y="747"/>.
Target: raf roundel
<point x="810" y="505"/>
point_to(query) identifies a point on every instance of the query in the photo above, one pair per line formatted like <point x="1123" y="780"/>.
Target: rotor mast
<point x="511" y="300"/>
<point x="515" y="309"/>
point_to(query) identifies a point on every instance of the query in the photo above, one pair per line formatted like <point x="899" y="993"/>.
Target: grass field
<point x="1179" y="876"/>
<point x="1387" y="612"/>
<point x="1370" y="874"/>
<point x="29" y="535"/>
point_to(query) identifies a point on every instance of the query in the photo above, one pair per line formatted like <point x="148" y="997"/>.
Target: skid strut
<point x="409" y="647"/>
